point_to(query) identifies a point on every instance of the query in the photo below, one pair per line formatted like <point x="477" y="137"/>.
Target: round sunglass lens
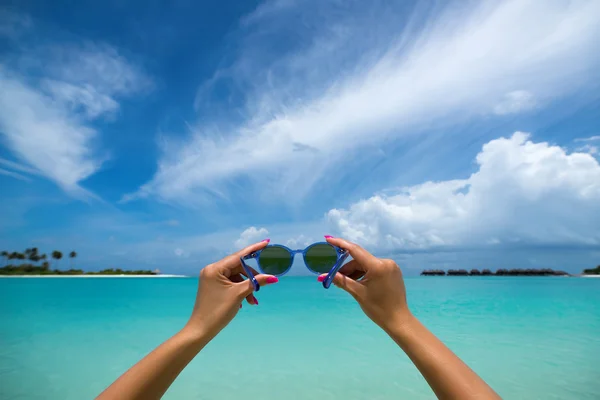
<point x="320" y="258"/>
<point x="274" y="260"/>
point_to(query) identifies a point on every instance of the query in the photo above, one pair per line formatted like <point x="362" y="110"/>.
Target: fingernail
<point x="328" y="237"/>
<point x="272" y="279"/>
<point x="240" y="306"/>
<point x="266" y="240"/>
<point x="255" y="301"/>
<point x="321" y="278"/>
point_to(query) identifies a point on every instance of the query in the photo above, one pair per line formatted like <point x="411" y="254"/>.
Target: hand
<point x="376" y="284"/>
<point x="221" y="292"/>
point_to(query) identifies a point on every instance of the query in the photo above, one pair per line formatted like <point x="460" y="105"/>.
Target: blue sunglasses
<point x="276" y="259"/>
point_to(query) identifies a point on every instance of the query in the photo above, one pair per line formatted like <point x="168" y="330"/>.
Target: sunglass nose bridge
<point x="294" y="252"/>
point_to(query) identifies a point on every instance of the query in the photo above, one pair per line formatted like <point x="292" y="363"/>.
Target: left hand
<point x="222" y="290"/>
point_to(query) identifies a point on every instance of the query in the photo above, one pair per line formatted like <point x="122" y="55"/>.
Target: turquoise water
<point x="530" y="338"/>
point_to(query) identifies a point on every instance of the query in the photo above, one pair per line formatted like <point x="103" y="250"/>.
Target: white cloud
<point x="46" y="114"/>
<point x="588" y="148"/>
<point x="17" y="167"/>
<point x="266" y="9"/>
<point x="516" y="102"/>
<point x="590" y="139"/>
<point x="81" y="98"/>
<point x="179" y="252"/>
<point x="15" y="175"/>
<point x="97" y="64"/>
<point x="522" y="193"/>
<point x="299" y="242"/>
<point x="346" y="89"/>
<point x="42" y="134"/>
<point x="249" y="236"/>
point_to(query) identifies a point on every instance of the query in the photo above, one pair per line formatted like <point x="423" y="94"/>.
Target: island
<point x="31" y="262"/>
<point x="592" y="271"/>
<point x="499" y="272"/>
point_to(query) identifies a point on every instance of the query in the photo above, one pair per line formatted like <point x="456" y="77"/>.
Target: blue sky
<point x="444" y="135"/>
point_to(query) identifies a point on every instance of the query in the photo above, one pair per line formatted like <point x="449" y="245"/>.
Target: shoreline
<point x="95" y="276"/>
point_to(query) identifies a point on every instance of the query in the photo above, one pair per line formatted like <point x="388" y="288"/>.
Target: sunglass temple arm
<point x="335" y="269"/>
<point x="248" y="271"/>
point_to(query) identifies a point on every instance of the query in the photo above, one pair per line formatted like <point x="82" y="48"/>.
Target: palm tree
<point x="5" y="254"/>
<point x="33" y="254"/>
<point x="57" y="255"/>
<point x="72" y="255"/>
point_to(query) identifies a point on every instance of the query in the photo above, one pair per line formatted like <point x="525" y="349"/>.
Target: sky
<point x="168" y="134"/>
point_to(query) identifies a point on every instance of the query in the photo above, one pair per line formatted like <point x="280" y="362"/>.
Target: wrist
<point x="401" y="325"/>
<point x="195" y="335"/>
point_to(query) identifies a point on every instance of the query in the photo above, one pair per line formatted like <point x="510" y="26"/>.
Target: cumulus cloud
<point x="299" y="242"/>
<point x="355" y="78"/>
<point x="523" y="193"/>
<point x="48" y="108"/>
<point x="250" y="235"/>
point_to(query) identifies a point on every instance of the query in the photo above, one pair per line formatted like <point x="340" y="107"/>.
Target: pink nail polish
<point x="255" y="301"/>
<point x="272" y="279"/>
<point x="328" y="237"/>
<point x="240" y="306"/>
<point x="266" y="240"/>
<point x="321" y="278"/>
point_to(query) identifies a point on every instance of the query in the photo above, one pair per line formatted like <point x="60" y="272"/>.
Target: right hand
<point x="376" y="284"/>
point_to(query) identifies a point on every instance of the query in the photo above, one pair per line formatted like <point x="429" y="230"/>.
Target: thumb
<point x="343" y="282"/>
<point x="262" y="279"/>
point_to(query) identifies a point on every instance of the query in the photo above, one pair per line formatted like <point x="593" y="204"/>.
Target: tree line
<point x="28" y="263"/>
<point x="505" y="272"/>
<point x="499" y="272"/>
<point x="33" y="255"/>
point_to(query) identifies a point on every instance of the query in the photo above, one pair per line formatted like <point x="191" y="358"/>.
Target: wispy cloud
<point x="13" y="24"/>
<point x="18" y="167"/>
<point x="588" y="148"/>
<point x="516" y="102"/>
<point x="589" y="139"/>
<point x="48" y="108"/>
<point x="523" y="193"/>
<point x="341" y="88"/>
<point x="15" y="175"/>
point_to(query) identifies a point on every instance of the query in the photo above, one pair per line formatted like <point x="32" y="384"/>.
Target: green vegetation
<point x="592" y="271"/>
<point x="500" y="272"/>
<point x="32" y="267"/>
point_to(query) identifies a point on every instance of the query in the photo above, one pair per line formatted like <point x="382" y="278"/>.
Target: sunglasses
<point x="276" y="259"/>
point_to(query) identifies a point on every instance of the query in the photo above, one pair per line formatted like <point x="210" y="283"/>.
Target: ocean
<point x="529" y="338"/>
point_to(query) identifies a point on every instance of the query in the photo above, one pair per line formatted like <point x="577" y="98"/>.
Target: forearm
<point x="448" y="376"/>
<point x="151" y="377"/>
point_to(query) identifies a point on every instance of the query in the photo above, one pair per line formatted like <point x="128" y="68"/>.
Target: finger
<point x="344" y="282"/>
<point x="246" y="287"/>
<point x="241" y="271"/>
<point x="357" y="275"/>
<point x="253" y="247"/>
<point x="352" y="267"/>
<point x="358" y="253"/>
<point x="232" y="262"/>
<point x="237" y="278"/>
